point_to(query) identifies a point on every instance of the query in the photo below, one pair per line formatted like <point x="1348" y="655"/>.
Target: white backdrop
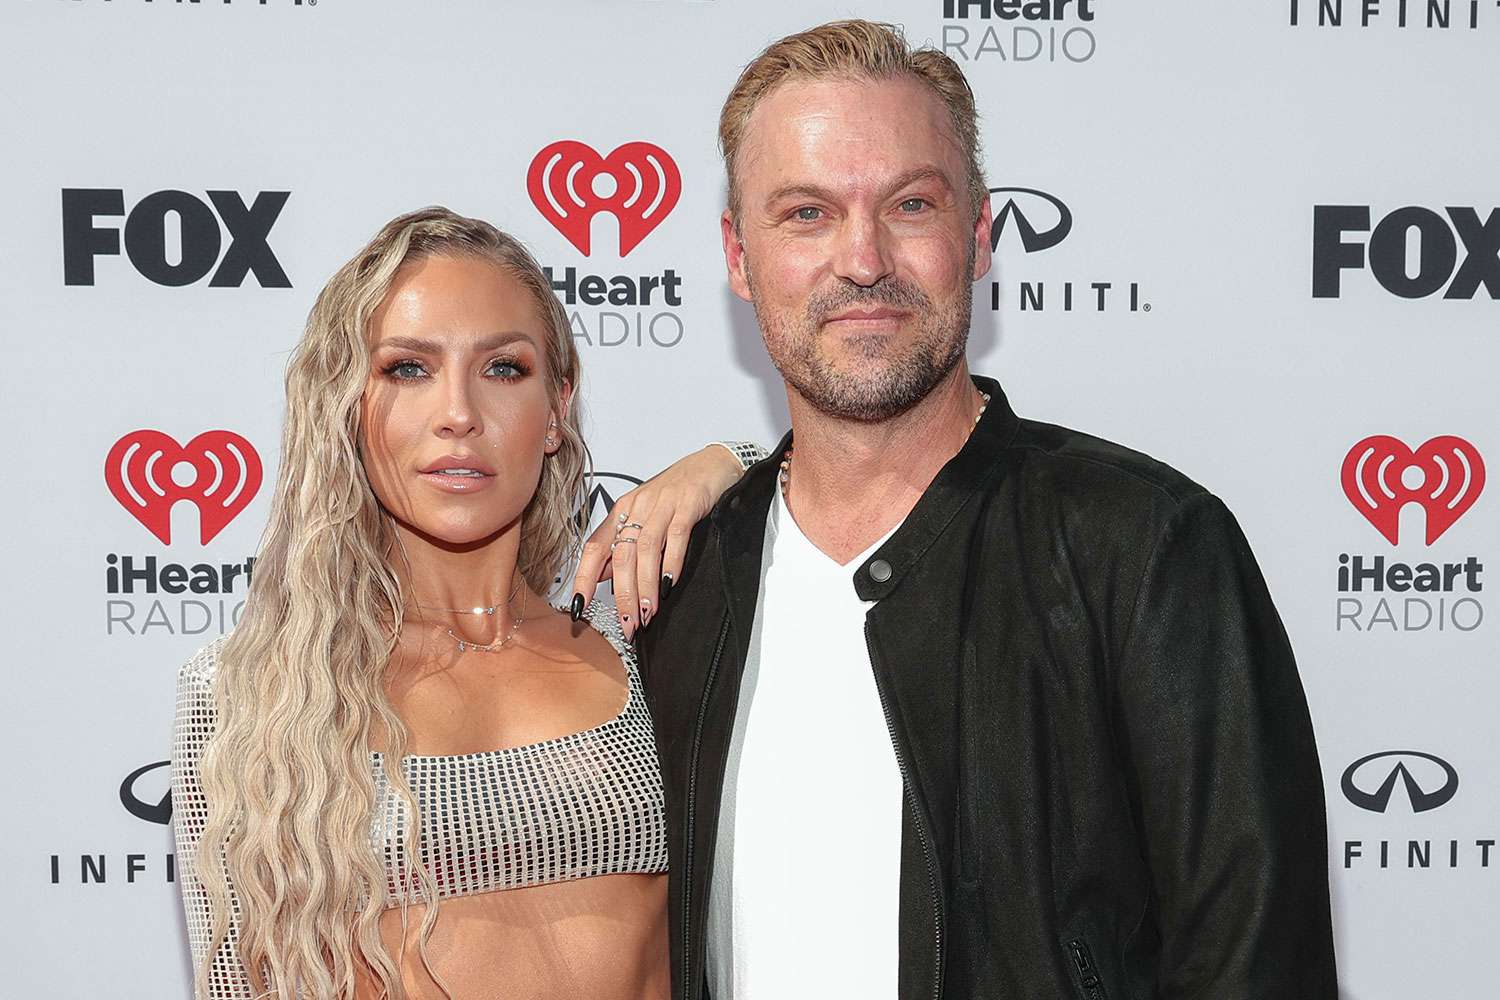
<point x="1190" y="144"/>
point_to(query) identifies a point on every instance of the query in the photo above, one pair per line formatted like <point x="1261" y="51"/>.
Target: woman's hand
<point x="643" y="541"/>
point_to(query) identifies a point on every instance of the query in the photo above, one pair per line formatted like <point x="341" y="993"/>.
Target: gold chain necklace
<point x="491" y="647"/>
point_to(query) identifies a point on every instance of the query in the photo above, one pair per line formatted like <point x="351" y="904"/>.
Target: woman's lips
<point x="453" y="481"/>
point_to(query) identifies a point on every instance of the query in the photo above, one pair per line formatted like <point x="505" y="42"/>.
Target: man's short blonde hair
<point x="856" y="49"/>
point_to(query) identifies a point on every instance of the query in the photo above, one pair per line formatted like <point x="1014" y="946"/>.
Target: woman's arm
<point x="659" y="515"/>
<point x="226" y="979"/>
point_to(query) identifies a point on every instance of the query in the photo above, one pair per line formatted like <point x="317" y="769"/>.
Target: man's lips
<point x="867" y="315"/>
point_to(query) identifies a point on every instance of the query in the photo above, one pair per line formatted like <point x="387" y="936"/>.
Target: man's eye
<point x="913" y="205"/>
<point x="808" y="214"/>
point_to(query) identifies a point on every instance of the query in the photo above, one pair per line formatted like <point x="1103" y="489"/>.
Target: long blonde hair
<point x="287" y="775"/>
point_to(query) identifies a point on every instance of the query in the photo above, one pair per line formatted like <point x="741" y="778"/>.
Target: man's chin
<point x="861" y="394"/>
<point x="866" y="349"/>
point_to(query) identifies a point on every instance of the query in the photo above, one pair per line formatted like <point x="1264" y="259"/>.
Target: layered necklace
<point x="464" y="645"/>
<point x="785" y="476"/>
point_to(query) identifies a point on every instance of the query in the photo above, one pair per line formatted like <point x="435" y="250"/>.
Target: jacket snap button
<point x="880" y="571"/>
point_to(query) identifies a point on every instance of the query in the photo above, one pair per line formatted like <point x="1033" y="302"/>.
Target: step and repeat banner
<point x="1258" y="240"/>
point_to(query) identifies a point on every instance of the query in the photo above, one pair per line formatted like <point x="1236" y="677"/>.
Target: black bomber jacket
<point x="1112" y="791"/>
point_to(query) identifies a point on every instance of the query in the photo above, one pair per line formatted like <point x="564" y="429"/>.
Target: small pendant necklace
<point x="481" y="647"/>
<point x="491" y="647"/>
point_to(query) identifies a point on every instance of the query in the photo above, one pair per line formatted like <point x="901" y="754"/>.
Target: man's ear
<point x="734" y="256"/>
<point x="983" y="251"/>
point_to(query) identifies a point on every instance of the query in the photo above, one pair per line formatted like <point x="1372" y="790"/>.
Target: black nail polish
<point x="576" y="609"/>
<point x="666" y="585"/>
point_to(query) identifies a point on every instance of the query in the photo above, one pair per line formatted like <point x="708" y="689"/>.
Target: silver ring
<point x="621" y="541"/>
<point x="624" y="516"/>
<point x="632" y="524"/>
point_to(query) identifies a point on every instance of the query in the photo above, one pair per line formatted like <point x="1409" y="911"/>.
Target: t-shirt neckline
<point x="780" y="513"/>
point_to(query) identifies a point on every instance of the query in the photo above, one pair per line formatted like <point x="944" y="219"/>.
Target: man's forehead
<point x="866" y="129"/>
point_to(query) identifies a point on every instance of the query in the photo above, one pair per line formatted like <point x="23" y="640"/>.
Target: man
<point x="949" y="703"/>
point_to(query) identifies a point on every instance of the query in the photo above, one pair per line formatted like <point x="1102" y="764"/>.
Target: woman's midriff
<point x="603" y="937"/>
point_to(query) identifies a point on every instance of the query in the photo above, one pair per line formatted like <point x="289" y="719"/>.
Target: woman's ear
<point x="553" y="440"/>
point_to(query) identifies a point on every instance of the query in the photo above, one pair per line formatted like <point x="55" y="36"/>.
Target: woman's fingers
<point x="676" y="552"/>
<point x="594" y="560"/>
<point x="648" y="561"/>
<point x="627" y="552"/>
<point x="646" y="534"/>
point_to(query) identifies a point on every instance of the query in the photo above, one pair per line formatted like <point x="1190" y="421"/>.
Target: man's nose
<point x="458" y="416"/>
<point x="863" y="253"/>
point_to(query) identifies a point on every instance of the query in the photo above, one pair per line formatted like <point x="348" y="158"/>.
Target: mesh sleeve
<point x="748" y="452"/>
<point x="227" y="979"/>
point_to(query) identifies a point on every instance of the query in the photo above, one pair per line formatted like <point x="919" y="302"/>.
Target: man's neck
<point x="852" y="482"/>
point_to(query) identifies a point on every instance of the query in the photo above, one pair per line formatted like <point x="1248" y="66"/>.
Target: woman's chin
<point x="458" y="535"/>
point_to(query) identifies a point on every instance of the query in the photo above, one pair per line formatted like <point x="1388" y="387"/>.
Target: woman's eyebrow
<point x="489" y="342"/>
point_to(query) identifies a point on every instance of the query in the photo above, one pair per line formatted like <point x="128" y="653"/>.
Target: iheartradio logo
<point x="149" y="472"/>
<point x="1381" y="475"/>
<point x="570" y="183"/>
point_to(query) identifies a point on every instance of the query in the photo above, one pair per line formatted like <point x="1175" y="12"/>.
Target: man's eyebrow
<point x="490" y="342"/>
<point x="920" y="174"/>
<point x="923" y="173"/>
<point x="799" y="191"/>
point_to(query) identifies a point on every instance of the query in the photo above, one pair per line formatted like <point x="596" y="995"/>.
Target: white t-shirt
<point x="805" y="891"/>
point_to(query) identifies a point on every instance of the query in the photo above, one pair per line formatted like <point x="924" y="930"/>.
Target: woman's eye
<point x="913" y="205"/>
<point x="505" y="369"/>
<point x="808" y="214"/>
<point x="406" y="370"/>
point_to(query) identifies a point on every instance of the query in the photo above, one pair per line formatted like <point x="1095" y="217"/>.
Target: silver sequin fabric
<point x="747" y="452"/>
<point x="585" y="804"/>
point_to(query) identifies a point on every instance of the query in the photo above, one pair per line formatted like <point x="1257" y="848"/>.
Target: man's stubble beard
<point x="893" y="384"/>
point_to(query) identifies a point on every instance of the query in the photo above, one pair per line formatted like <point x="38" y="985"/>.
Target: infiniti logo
<point x="131" y="866"/>
<point x="159" y="811"/>
<point x="1041" y="205"/>
<point x="604" y="489"/>
<point x="1360" y="775"/>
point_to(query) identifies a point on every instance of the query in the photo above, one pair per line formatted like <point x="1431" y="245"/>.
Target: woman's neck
<point x="442" y="582"/>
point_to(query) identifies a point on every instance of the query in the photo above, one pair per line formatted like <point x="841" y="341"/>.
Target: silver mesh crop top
<point x="589" y="803"/>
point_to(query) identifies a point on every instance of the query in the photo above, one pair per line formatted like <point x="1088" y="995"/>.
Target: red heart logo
<point x="570" y="183"/>
<point x="1381" y="475"/>
<point x="226" y="477"/>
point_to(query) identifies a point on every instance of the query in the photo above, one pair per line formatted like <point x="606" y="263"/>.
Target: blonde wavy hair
<point x="858" y="50"/>
<point x="287" y="775"/>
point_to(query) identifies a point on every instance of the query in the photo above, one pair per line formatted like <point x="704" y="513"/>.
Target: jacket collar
<point x="968" y="474"/>
<point x="741" y="513"/>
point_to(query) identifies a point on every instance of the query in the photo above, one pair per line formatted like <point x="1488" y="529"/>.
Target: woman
<point x="401" y="727"/>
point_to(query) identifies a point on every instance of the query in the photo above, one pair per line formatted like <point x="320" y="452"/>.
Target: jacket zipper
<point x="1088" y="973"/>
<point x="906" y="786"/>
<point x="688" y="990"/>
